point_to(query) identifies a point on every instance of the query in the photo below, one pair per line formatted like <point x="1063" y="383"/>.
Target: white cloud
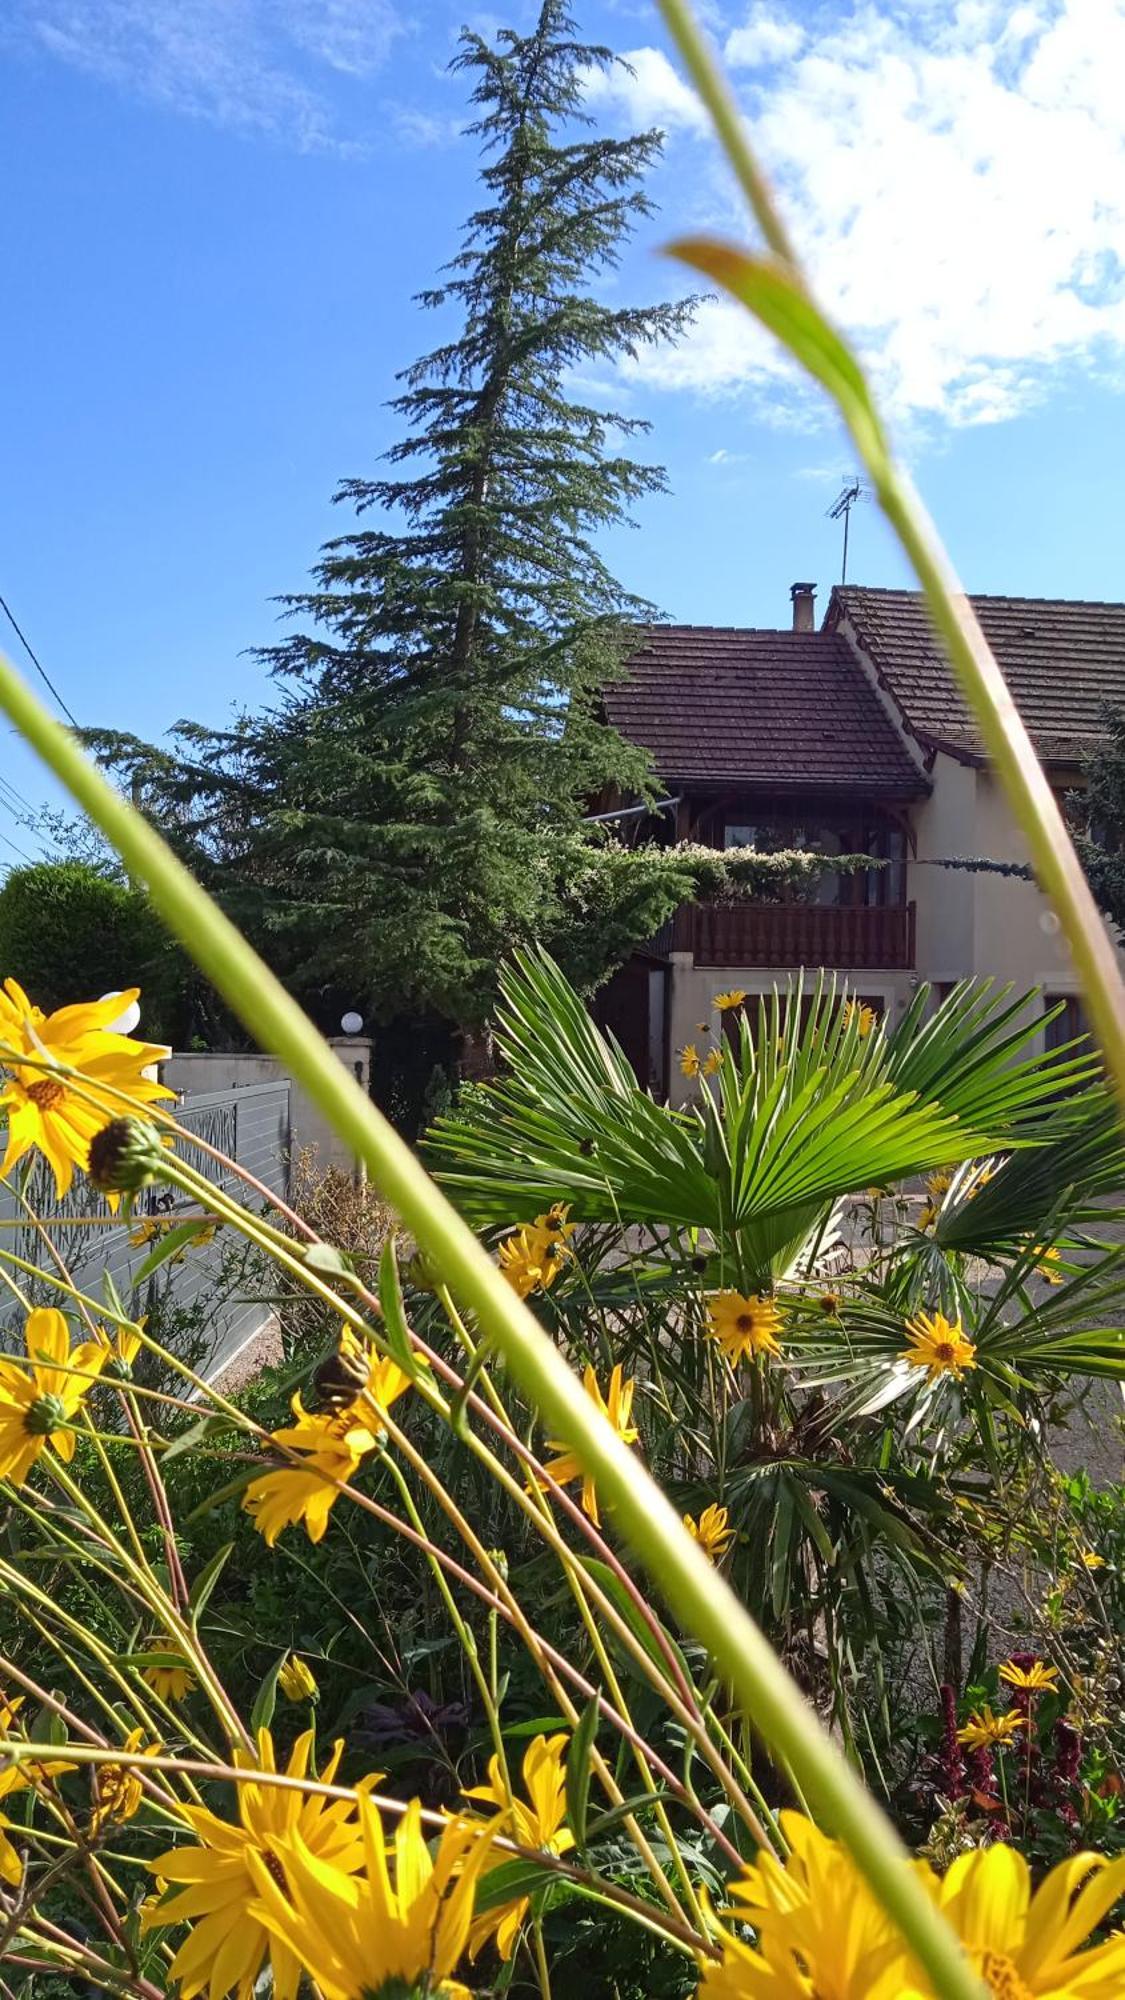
<point x="954" y="171"/>
<point x="765" y="37"/>
<point x="648" y="92"/>
<point x="354" y="36"/>
<point x="238" y="63"/>
<point x="418" y="127"/>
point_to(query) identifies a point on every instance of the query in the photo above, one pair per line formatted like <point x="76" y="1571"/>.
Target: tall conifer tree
<point x="400" y="820"/>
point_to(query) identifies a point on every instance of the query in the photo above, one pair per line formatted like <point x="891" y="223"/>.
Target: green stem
<point x="701" y="1599"/>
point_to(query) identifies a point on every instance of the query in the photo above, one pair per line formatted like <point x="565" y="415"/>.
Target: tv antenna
<point x="841" y="509"/>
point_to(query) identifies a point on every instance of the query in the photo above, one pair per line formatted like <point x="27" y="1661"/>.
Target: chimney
<point x="804" y="606"/>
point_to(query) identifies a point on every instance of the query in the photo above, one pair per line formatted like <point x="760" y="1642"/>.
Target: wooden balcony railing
<point x="787" y="935"/>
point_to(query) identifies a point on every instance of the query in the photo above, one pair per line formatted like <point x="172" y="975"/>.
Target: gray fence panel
<point x="249" y="1125"/>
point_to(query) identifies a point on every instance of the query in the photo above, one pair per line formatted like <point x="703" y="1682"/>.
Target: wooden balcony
<point x="788" y="935"/>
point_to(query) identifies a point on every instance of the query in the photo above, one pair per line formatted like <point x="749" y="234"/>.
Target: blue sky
<point x="216" y="213"/>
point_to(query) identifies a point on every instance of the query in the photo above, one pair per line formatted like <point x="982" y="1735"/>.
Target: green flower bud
<point x="125" y="1156"/>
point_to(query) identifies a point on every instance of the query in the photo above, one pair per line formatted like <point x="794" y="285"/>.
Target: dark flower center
<point x="46" y="1093"/>
<point x="1001" y="1977"/>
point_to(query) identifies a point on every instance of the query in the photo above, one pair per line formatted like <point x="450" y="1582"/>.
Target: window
<point x="1067" y="1026"/>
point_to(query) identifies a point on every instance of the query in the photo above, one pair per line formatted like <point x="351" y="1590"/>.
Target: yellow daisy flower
<point x="170" y="1683"/>
<point x="556" y="1221"/>
<point x="617" y="1409"/>
<point x="332" y="1448"/>
<point x="734" y="998"/>
<point x="939" y="1345"/>
<point x="744" y="1326"/>
<point x="219" y="1889"/>
<point x="359" y="1936"/>
<point x="819" y="1931"/>
<point x="927" y="1216"/>
<point x="859" y="1015"/>
<point x="148" y="1229"/>
<point x="16" y="1778"/>
<point x="984" y="1730"/>
<point x="712" y="1063"/>
<point x="532" y="1257"/>
<point x="118" y="1791"/>
<point x="1047" y="1258"/>
<point x="1090" y="1559"/>
<point x="1025" y="1946"/>
<point x="690" y="1064"/>
<point x="712" y="1530"/>
<point x="1036" y="1678"/>
<point x="43" y="1108"/>
<point x="297" y="1680"/>
<point x="38" y="1403"/>
<point x="939" y="1183"/>
<point x="537" y="1821"/>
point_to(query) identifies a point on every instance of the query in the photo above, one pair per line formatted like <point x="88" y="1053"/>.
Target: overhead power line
<point x="39" y="668"/>
<point x="22" y="852"/>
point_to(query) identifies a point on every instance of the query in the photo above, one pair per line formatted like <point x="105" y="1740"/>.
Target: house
<point x="854" y="738"/>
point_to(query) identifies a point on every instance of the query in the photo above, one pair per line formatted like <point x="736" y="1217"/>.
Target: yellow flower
<point x="37" y="1403"/>
<point x="712" y="1063"/>
<point x="689" y="1060"/>
<point x="14" y="1778"/>
<point x="126" y="1345"/>
<point x="10" y="1706"/>
<point x="170" y="1683"/>
<point x="1090" y="1559"/>
<point x="711" y="1531"/>
<point x="1035" y="1678"/>
<point x="536" y="1822"/>
<point x="297" y="1680"/>
<point x="229" y="1938"/>
<point x="44" y="1109"/>
<point x="734" y="998"/>
<point x="744" y="1326"/>
<point x="118" y="1790"/>
<point x="556" y="1221"/>
<point x="984" y="1730"/>
<point x="1047" y="1257"/>
<point x="148" y="1229"/>
<point x="1027" y="1947"/>
<point x="939" y="1184"/>
<point x="617" y="1410"/>
<point x="362" y="1936"/>
<point x="331" y="1448"/>
<point x="927" y="1216"/>
<point x="859" y="1015"/>
<point x="532" y="1257"/>
<point x="939" y="1345"/>
<point x="819" y="1932"/>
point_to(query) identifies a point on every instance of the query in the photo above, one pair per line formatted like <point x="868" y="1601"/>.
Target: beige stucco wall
<point x="944" y="824"/>
<point x="988" y="925"/>
<point x="194" y="1075"/>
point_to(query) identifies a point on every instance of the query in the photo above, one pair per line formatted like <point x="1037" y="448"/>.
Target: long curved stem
<point x="702" y="1600"/>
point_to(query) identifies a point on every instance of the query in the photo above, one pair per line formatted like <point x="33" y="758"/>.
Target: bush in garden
<point x="373" y="1562"/>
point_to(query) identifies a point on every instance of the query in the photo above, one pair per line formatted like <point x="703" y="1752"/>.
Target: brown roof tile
<point x="1062" y="659"/>
<point x="774" y="710"/>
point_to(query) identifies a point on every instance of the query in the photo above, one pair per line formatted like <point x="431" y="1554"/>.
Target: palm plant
<point x="792" y="1181"/>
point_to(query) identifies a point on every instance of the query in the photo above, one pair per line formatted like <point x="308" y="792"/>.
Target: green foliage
<point x="855" y="1483"/>
<point x="405" y="814"/>
<point x="1097" y="819"/>
<point x="68" y="930"/>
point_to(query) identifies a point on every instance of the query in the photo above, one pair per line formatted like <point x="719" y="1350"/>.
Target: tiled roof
<point x="1063" y="660"/>
<point x="719" y="705"/>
